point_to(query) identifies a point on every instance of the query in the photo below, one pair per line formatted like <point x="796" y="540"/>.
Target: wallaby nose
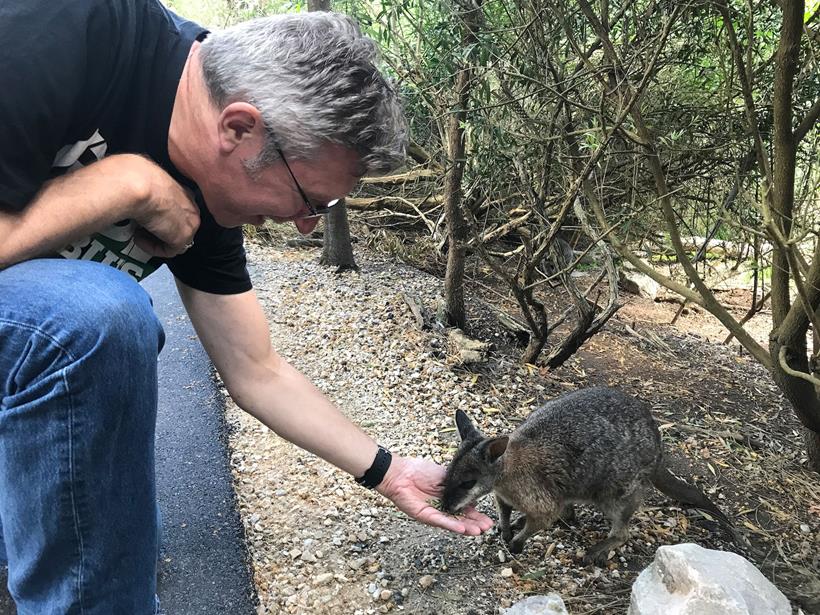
<point x="448" y="504"/>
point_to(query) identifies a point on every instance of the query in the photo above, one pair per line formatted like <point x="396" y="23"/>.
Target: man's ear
<point x="465" y="426"/>
<point x="239" y="122"/>
<point x="494" y="448"/>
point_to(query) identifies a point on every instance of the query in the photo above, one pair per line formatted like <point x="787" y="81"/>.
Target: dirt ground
<point x="321" y="545"/>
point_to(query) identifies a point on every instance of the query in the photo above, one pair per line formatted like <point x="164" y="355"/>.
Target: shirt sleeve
<point x="216" y="263"/>
<point x="43" y="60"/>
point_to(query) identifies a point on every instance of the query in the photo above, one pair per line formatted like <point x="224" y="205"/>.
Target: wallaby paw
<point x="507" y="536"/>
<point x="519" y="523"/>
<point x="515" y="547"/>
<point x="597" y="557"/>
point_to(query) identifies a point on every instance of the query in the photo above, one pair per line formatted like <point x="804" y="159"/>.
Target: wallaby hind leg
<point x="619" y="512"/>
<point x="568" y="514"/>
<point x="534" y="524"/>
<point x="518" y="524"/>
<point x="504" y="511"/>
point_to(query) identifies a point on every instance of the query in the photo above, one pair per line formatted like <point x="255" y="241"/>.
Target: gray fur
<point x="597" y="446"/>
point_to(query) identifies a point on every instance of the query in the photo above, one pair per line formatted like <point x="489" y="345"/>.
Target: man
<point x="130" y="138"/>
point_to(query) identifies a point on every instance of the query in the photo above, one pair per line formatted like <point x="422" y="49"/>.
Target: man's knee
<point x="80" y="306"/>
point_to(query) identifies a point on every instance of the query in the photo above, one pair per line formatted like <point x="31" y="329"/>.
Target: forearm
<point x="74" y="206"/>
<point x="283" y="399"/>
<point x="234" y="331"/>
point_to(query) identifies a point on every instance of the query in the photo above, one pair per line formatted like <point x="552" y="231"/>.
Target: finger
<point x="433" y="517"/>
<point x="151" y="245"/>
<point x="154" y="246"/>
<point x="480" y="519"/>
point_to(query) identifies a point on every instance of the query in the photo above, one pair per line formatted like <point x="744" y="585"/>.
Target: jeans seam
<point x="40" y="332"/>
<point x="75" y="512"/>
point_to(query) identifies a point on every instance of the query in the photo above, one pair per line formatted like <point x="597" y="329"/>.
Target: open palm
<point x="411" y="483"/>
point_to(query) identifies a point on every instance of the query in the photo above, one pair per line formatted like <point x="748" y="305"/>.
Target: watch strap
<point x="375" y="473"/>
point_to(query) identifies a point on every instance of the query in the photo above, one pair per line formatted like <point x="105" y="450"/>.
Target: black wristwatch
<point x="375" y="474"/>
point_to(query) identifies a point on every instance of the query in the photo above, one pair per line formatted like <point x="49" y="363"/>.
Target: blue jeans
<point x="78" y="399"/>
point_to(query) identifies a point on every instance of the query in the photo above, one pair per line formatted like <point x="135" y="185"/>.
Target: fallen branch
<point x="401" y="178"/>
<point x="383" y="202"/>
<point x="736" y="436"/>
<point x="416" y="308"/>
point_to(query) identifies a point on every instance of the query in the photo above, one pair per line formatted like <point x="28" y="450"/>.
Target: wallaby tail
<point x="667" y="483"/>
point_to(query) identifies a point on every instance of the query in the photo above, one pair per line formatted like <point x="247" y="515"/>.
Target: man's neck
<point x="192" y="105"/>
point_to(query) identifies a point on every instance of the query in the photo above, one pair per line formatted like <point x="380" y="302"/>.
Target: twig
<point x="781" y="357"/>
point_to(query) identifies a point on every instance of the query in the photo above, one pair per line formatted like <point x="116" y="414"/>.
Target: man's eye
<point x="468" y="484"/>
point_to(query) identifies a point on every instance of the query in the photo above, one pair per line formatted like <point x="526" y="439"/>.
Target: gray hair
<point x="313" y="78"/>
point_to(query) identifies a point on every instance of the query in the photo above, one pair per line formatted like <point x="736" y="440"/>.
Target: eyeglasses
<point x="315" y="210"/>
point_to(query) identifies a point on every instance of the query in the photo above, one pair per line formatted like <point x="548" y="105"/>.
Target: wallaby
<point x="561" y="256"/>
<point x="597" y="446"/>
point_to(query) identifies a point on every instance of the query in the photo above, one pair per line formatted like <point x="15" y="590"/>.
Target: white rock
<point x="638" y="283"/>
<point x="506" y="572"/>
<point x="551" y="604"/>
<point x="323" y="579"/>
<point x="426" y="581"/>
<point x="687" y="579"/>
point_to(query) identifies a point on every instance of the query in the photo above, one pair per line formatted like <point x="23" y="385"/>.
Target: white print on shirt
<point x="114" y="246"/>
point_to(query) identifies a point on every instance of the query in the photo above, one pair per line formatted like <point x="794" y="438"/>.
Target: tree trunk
<point x="337" y="250"/>
<point x="456" y="223"/>
<point x="812" y="440"/>
<point x="790" y="322"/>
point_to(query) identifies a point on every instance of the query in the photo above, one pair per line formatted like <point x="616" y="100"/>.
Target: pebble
<point x="426" y="581"/>
<point x="506" y="572"/>
<point x="323" y="579"/>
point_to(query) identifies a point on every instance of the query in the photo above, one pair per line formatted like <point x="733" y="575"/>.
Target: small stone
<point x="386" y="594"/>
<point x="805" y="528"/>
<point x="426" y="581"/>
<point x="506" y="572"/>
<point x="501" y="557"/>
<point x="323" y="579"/>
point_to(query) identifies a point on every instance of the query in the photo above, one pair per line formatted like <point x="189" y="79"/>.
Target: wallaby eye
<point x="468" y="484"/>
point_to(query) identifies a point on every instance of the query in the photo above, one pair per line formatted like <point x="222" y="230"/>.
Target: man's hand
<point x="411" y="483"/>
<point x="169" y="217"/>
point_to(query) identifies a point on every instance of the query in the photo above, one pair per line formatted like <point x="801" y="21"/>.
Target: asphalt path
<point x="203" y="562"/>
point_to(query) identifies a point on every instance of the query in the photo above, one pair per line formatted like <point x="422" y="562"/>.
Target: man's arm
<point x="92" y="199"/>
<point x="235" y="334"/>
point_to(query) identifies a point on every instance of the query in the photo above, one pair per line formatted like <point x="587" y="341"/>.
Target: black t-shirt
<point x="83" y="79"/>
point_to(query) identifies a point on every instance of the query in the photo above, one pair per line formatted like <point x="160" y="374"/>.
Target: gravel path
<point x="319" y="542"/>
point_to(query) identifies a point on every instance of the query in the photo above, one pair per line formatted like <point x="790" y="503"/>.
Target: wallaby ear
<point x="466" y="429"/>
<point x="496" y="447"/>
